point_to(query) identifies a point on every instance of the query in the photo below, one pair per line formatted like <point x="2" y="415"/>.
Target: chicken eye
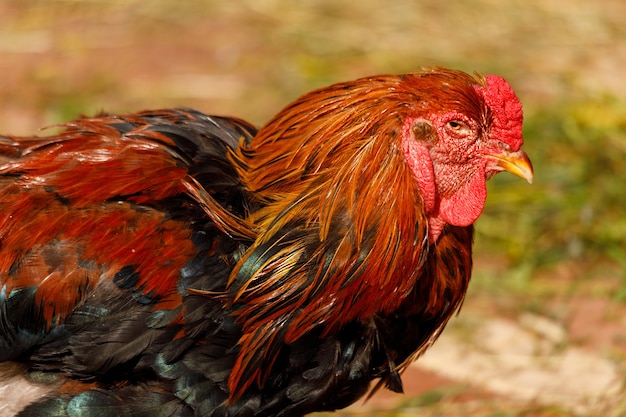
<point x="455" y="125"/>
<point x="458" y="128"/>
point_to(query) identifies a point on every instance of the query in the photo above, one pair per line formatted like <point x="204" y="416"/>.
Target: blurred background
<point x="543" y="330"/>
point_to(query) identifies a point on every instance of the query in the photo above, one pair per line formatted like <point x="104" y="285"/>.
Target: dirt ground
<point x="504" y="355"/>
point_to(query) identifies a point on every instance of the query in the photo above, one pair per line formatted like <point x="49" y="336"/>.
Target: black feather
<point x="126" y="352"/>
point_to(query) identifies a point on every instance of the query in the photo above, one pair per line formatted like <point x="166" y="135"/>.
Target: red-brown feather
<point x="53" y="239"/>
<point x="324" y="228"/>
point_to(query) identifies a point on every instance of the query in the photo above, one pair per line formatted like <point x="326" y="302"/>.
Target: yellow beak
<point x="517" y="163"/>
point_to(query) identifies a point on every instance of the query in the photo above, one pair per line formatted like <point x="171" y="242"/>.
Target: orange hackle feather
<point x="331" y="166"/>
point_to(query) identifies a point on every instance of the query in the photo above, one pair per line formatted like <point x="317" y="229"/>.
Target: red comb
<point x="506" y="109"/>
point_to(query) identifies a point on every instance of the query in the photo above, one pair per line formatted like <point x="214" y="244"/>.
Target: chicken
<point x="171" y="263"/>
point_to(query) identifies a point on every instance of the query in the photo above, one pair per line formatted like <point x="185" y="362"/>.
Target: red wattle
<point x="464" y="206"/>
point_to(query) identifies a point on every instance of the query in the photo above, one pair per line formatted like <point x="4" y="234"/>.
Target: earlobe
<point x="423" y="131"/>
